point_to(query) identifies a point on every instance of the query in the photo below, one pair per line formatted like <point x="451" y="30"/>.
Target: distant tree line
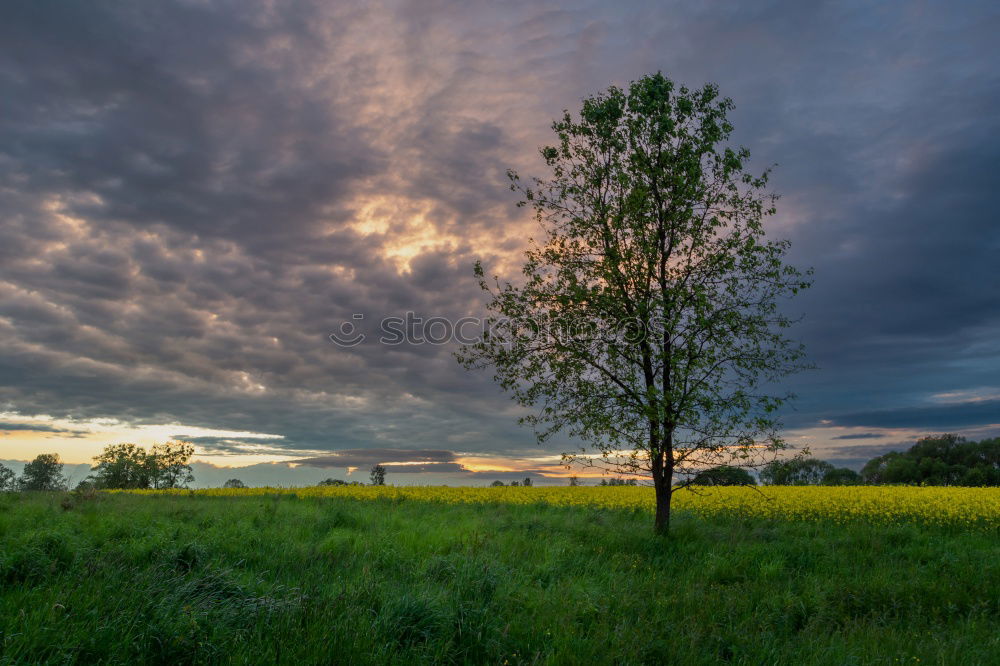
<point x="944" y="460"/>
<point x="42" y="473"/>
<point x="120" y="466"/>
<point x="938" y="460"/>
<point x="526" y="483"/>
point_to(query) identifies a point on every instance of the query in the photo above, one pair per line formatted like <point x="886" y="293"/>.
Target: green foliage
<point x="234" y="483"/>
<point x="127" y="466"/>
<point x="724" y="475"/>
<point x="191" y="580"/>
<point x="795" y="472"/>
<point x="123" y="466"/>
<point x="169" y="463"/>
<point x="43" y="473"/>
<point x="8" y="480"/>
<point x="496" y="484"/>
<point x="335" y="482"/>
<point x="647" y="323"/>
<point x="841" y="476"/>
<point x="377" y="475"/>
<point x="939" y="460"/>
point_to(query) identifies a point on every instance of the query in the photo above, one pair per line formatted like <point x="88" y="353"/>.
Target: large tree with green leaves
<point x="130" y="466"/>
<point x="43" y="473"/>
<point x="647" y="323"/>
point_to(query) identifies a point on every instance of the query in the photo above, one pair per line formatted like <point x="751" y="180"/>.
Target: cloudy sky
<point x="194" y="195"/>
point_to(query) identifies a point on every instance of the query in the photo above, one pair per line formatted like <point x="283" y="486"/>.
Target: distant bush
<point x="618" y="482"/>
<point x="723" y="475"/>
<point x="841" y="476"/>
<point x="338" y="482"/>
<point x="234" y="483"/>
<point x="496" y="484"/>
<point x="795" y="472"/>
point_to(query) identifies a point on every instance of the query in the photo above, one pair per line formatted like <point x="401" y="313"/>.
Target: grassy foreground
<point x="193" y="578"/>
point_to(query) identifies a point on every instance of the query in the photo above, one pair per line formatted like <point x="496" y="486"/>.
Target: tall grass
<point x="286" y="579"/>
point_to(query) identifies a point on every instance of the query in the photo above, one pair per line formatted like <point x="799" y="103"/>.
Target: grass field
<point x="390" y="576"/>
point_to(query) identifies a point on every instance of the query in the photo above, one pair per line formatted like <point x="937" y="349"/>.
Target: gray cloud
<point x="8" y="427"/>
<point x="195" y="195"/>
<point x="861" y="435"/>
<point x="936" y="417"/>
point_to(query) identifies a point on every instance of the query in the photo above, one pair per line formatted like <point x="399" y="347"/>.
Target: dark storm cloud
<point x="934" y="417"/>
<point x="861" y="435"/>
<point x="194" y="195"/>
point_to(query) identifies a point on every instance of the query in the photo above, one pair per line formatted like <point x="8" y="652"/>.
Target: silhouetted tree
<point x="8" y="480"/>
<point x="377" y="475"/>
<point x="841" y="476"/>
<point x="43" y="473"/>
<point x="723" y="475"/>
<point x="123" y="466"/>
<point x="618" y="482"/>
<point x="574" y="480"/>
<point x="496" y="484"/>
<point x="526" y="482"/>
<point x="169" y="464"/>
<point x="795" y="472"/>
<point x="234" y="483"/>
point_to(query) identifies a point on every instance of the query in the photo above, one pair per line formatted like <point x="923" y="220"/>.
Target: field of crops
<point x="971" y="507"/>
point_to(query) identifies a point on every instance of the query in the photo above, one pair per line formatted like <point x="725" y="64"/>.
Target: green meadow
<point x="128" y="579"/>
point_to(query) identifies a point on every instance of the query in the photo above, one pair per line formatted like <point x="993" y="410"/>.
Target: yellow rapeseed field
<point x="974" y="507"/>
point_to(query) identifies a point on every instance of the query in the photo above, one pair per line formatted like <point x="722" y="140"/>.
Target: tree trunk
<point x="663" y="494"/>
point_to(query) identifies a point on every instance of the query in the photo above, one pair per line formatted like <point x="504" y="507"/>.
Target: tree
<point x="43" y="473"/>
<point x="526" y="482"/>
<point x="234" y="483"/>
<point x="723" y="475"/>
<point x="574" y="480"/>
<point x="8" y="480"/>
<point x="123" y="466"/>
<point x="169" y="464"/>
<point x="938" y="460"/>
<point x="377" y="475"/>
<point x="795" y="472"/>
<point x="131" y="466"/>
<point x="496" y="484"/>
<point x="647" y="324"/>
<point x="841" y="476"/>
